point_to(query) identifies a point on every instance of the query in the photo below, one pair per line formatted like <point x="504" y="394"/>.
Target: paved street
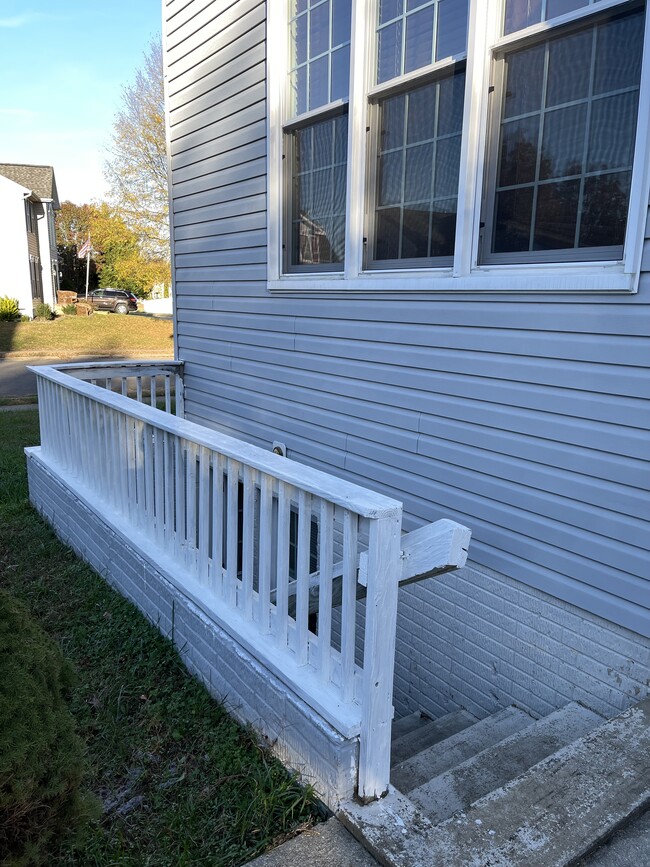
<point x="15" y="379"/>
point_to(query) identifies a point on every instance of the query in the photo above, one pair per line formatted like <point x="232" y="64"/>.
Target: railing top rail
<point x="115" y="364"/>
<point x="346" y="494"/>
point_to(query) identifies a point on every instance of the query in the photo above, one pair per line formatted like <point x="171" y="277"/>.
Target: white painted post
<point x="379" y="656"/>
<point x="180" y="400"/>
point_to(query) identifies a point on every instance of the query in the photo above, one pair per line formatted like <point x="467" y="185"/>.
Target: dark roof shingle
<point x="39" y="179"/>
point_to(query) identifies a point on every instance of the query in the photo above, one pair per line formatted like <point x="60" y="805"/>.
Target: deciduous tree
<point x="117" y="259"/>
<point x="137" y="167"/>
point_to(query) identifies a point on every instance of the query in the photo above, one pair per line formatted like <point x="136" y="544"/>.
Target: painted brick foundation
<point x="252" y="694"/>
<point x="482" y="641"/>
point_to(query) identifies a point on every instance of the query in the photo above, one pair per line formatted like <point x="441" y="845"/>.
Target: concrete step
<point x="443" y="756"/>
<point x="550" y="816"/>
<point x="431" y="733"/>
<point x="407" y="724"/>
<point x="326" y="845"/>
<point x="459" y="787"/>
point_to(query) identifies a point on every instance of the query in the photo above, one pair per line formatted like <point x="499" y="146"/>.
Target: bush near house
<point x="43" y="311"/>
<point x="41" y="756"/>
<point x="9" y="309"/>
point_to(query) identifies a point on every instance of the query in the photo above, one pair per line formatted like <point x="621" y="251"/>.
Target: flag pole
<point x="87" y="271"/>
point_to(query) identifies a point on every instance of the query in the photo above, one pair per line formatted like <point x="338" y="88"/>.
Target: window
<point x="29" y="217"/>
<point x="316" y="134"/>
<point x="442" y="145"/>
<point x="566" y="143"/>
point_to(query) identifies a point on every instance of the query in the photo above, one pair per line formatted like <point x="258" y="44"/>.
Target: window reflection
<point x="319" y="196"/>
<point x="417" y="171"/>
<point x="416" y="33"/>
<point x="567" y="139"/>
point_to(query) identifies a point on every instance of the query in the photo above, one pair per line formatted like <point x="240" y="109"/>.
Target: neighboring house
<point x="409" y="251"/>
<point x="472" y="337"/>
<point x="28" y="201"/>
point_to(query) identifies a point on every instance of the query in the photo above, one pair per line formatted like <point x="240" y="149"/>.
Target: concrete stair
<point x="507" y="791"/>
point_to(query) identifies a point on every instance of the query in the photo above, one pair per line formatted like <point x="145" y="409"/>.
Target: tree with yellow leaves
<point x="117" y="259"/>
<point x="137" y="167"/>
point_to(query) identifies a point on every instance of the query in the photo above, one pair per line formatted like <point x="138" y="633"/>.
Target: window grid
<point x="519" y="14"/>
<point x="445" y="202"/>
<point x="310" y="89"/>
<point x="319" y="168"/>
<point x="538" y="183"/>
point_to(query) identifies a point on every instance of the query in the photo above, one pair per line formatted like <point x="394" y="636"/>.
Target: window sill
<point x="541" y="279"/>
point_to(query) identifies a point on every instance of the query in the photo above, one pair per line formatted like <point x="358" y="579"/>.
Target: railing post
<point x="379" y="656"/>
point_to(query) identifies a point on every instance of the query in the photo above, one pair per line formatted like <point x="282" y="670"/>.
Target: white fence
<point x="274" y="551"/>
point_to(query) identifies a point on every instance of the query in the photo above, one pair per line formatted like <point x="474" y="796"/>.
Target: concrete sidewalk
<point x="330" y="845"/>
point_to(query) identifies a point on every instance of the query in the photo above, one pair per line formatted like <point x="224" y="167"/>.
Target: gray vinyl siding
<point x="524" y="417"/>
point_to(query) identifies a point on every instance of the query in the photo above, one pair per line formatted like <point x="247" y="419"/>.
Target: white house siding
<point x="14" y="244"/>
<point x="523" y="417"/>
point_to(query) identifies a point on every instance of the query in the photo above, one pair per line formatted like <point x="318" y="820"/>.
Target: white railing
<point x="159" y="384"/>
<point x="274" y="551"/>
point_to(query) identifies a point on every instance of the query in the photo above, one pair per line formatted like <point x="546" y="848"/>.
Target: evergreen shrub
<point x="41" y="756"/>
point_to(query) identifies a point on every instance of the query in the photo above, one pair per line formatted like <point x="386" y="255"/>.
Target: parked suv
<point x="114" y="300"/>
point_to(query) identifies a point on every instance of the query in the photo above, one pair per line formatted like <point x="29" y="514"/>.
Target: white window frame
<point x="466" y="275"/>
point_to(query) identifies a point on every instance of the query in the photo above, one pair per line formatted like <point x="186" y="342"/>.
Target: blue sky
<point x="62" y="68"/>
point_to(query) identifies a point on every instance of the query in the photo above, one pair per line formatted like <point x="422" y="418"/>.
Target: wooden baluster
<point x="217" y="578"/>
<point x="179" y="498"/>
<point x="282" y="578"/>
<point x="248" y="541"/>
<point x="148" y="433"/>
<point x="302" y="577"/>
<point x="232" y="533"/>
<point x="168" y="393"/>
<point x="204" y="514"/>
<point x="349" y="603"/>
<point x="190" y="505"/>
<point x="265" y="554"/>
<point x="325" y="566"/>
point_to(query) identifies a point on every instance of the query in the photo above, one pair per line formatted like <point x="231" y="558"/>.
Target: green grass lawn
<point x="88" y="335"/>
<point x="182" y="784"/>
